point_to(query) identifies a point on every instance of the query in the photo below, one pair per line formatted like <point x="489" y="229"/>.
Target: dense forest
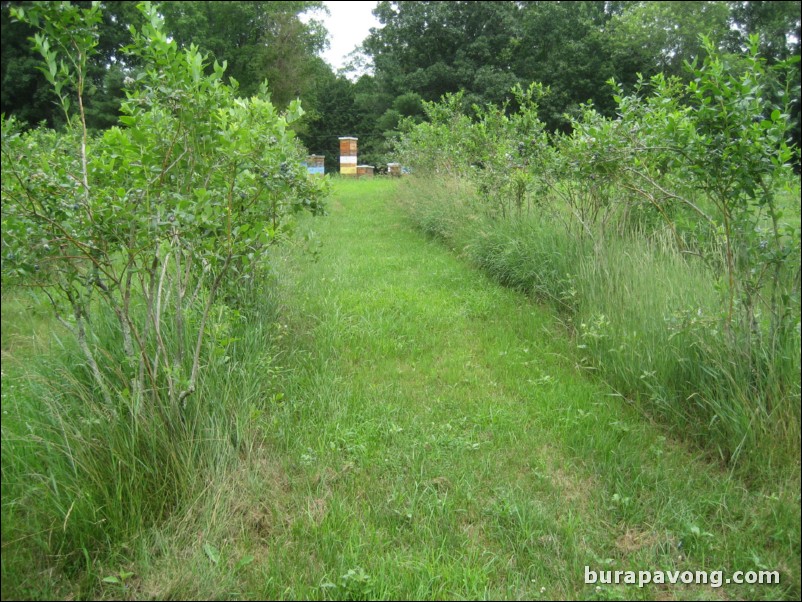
<point x="421" y="51"/>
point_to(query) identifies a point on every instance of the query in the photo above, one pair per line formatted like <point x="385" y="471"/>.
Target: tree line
<point x="421" y="51"/>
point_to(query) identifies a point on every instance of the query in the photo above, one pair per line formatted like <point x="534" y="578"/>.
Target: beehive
<point x="348" y="156"/>
<point x="394" y="169"/>
<point x="315" y="164"/>
<point x="364" y="171"/>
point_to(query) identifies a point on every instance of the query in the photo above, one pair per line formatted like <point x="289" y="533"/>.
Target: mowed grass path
<point x="436" y="440"/>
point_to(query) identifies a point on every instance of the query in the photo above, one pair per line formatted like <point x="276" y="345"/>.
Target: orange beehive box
<point x="348" y="147"/>
<point x="348" y="156"/>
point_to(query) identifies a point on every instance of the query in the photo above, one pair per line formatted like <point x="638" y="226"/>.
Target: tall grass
<point x="84" y="482"/>
<point x="646" y="318"/>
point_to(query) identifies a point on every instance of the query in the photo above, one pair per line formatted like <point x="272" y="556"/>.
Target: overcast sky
<point x="348" y="25"/>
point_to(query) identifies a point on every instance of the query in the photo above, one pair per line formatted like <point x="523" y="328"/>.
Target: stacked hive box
<point x="348" y="156"/>
<point x="364" y="171"/>
<point x="394" y="169"/>
<point x="315" y="164"/>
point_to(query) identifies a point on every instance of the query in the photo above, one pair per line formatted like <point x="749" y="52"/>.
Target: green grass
<point x="440" y="442"/>
<point x="90" y="489"/>
<point x="647" y="319"/>
<point x="436" y="440"/>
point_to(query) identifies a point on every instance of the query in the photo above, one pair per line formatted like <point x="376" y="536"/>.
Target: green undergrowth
<point x="398" y="426"/>
<point x="96" y="494"/>
<point x="438" y="441"/>
<point x="646" y="319"/>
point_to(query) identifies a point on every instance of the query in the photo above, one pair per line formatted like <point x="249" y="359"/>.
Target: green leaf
<point x="211" y="552"/>
<point x="244" y="561"/>
<point x="111" y="579"/>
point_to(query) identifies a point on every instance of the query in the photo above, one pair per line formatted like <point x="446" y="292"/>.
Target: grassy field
<point x="647" y="319"/>
<point x="433" y="438"/>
